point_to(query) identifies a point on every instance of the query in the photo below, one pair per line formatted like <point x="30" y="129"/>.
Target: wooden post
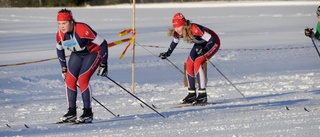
<point x="133" y="44"/>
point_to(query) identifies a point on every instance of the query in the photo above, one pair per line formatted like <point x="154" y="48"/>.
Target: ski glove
<point x="202" y="51"/>
<point x="64" y="73"/>
<point x="164" y="55"/>
<point x="308" y="32"/>
<point x="103" y="70"/>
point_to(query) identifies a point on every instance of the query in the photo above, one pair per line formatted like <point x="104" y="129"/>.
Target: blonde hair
<point x="186" y="33"/>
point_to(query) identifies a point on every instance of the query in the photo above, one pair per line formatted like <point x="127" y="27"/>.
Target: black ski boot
<point x="86" y="117"/>
<point x="201" y="99"/>
<point x="71" y="116"/>
<point x="190" y="97"/>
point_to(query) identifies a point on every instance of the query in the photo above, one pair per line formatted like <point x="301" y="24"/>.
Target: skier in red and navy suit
<point x="88" y="52"/>
<point x="206" y="44"/>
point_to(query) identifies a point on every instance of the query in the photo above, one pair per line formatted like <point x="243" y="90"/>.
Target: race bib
<point x="72" y="45"/>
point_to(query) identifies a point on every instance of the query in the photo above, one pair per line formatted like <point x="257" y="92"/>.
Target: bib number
<point x="72" y="45"/>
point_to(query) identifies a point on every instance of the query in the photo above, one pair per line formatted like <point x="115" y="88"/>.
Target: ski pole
<point x="224" y="77"/>
<point x="314" y="44"/>
<point x="157" y="56"/>
<point x="174" y="66"/>
<point x="135" y="96"/>
<point x="103" y="105"/>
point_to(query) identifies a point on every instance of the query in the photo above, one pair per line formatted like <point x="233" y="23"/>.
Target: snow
<point x="264" y="53"/>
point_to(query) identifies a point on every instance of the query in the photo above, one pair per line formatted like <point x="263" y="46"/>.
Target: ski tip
<point x="8" y="125"/>
<point x="305" y="109"/>
<point x="154" y="106"/>
<point x="26" y="125"/>
<point x="287" y="108"/>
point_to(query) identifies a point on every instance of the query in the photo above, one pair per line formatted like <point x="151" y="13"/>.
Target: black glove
<point x="308" y="32"/>
<point x="64" y="73"/>
<point x="103" y="70"/>
<point x="164" y="55"/>
<point x="202" y="51"/>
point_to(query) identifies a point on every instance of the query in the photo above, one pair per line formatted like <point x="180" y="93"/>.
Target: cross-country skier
<point x="206" y="44"/>
<point x="88" y="52"/>
<point x="308" y="31"/>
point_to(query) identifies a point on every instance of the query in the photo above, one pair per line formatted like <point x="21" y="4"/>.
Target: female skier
<point x="88" y="52"/>
<point x="206" y="44"/>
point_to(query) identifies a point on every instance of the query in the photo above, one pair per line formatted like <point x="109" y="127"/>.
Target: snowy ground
<point x="264" y="53"/>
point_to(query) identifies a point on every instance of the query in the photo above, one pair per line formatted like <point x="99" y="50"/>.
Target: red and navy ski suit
<point x="88" y="50"/>
<point x="204" y="38"/>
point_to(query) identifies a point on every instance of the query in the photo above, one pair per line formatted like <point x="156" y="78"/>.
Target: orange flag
<point x="125" y="32"/>
<point x="125" y="50"/>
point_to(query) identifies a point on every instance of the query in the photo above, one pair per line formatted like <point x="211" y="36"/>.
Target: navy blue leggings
<point x="80" y="69"/>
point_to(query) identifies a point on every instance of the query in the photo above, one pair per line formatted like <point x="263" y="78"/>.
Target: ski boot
<point x="86" y="117"/>
<point x="190" y="97"/>
<point x="201" y="99"/>
<point x="71" y="116"/>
